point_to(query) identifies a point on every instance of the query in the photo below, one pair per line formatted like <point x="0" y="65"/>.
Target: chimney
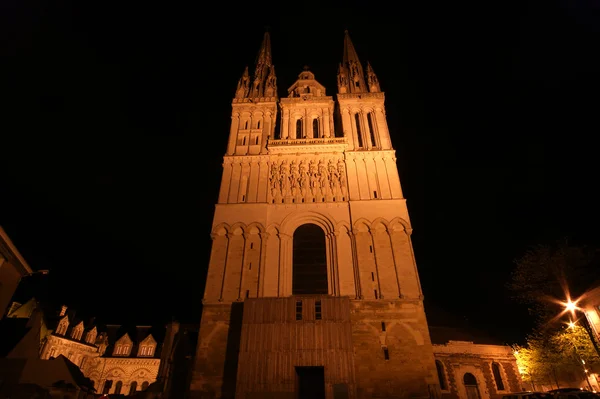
<point x="63" y="310"/>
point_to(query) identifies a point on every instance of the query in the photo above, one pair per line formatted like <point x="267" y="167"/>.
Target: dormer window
<point x="90" y="337"/>
<point x="77" y="331"/>
<point x="147" y="350"/>
<point x="63" y="325"/>
<point x="122" y="350"/>
<point x="147" y="347"/>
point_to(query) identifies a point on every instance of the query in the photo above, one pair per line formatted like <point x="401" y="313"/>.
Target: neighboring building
<point x="12" y="268"/>
<point x="115" y="358"/>
<point x="24" y="374"/>
<point x="469" y="368"/>
<point x="312" y="286"/>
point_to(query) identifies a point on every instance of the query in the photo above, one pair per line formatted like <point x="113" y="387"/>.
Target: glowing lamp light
<point x="571" y="324"/>
<point x="570" y="306"/>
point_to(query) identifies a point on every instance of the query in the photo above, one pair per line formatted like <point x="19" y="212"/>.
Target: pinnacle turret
<point x="264" y="73"/>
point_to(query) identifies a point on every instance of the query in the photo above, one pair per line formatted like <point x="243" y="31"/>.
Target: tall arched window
<point x="441" y="375"/>
<point x="316" y="128"/>
<point x="497" y="376"/>
<point x="107" y="386"/>
<point x="299" y="128"/>
<point x="371" y="130"/>
<point x="471" y="386"/>
<point x="144" y="385"/>
<point x="358" y="130"/>
<point x="118" y="387"/>
<point x="309" y="272"/>
<point x="132" y="387"/>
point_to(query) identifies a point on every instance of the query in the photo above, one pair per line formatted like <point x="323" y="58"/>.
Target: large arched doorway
<point x="309" y="270"/>
<point x="471" y="386"/>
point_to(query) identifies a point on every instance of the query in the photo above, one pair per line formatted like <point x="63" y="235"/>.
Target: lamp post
<point x="572" y="307"/>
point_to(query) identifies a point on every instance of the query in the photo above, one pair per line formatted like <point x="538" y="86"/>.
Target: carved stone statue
<point x="303" y="178"/>
<point x="342" y="175"/>
<point x="294" y="177"/>
<point x="313" y="177"/>
<point x="274" y="180"/>
<point x="284" y="178"/>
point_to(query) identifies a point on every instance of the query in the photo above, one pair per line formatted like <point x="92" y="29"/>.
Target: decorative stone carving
<point x="324" y="178"/>
<point x="271" y="85"/>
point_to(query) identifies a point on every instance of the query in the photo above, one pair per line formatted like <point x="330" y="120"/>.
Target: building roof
<point x="137" y="334"/>
<point x="442" y="335"/>
<point x="5" y="239"/>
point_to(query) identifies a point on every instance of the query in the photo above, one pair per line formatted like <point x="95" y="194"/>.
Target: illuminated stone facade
<point x="326" y="177"/>
<point x="467" y="369"/>
<point x="117" y="360"/>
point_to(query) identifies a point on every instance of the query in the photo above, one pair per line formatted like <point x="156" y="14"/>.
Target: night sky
<point x="117" y="114"/>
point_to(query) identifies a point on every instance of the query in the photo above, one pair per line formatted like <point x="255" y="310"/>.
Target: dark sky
<point x="117" y="117"/>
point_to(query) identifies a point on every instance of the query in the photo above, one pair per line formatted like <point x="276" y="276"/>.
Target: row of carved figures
<point x="308" y="178"/>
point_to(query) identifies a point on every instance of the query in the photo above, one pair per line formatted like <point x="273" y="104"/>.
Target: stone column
<point x="235" y="123"/>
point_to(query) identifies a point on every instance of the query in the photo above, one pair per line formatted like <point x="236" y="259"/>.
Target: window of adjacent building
<point x="315" y="128"/>
<point x="318" y="313"/>
<point x="299" y="128"/>
<point x="118" y="387"/>
<point x="441" y="375"/>
<point x="144" y="385"/>
<point x="62" y="327"/>
<point x="132" y="387"/>
<point x="52" y="352"/>
<point x="147" y="350"/>
<point x="122" y="350"/>
<point x="371" y="130"/>
<point x="309" y="269"/>
<point x="107" y="386"/>
<point x="298" y="310"/>
<point x="383" y="326"/>
<point x="90" y="337"/>
<point x="83" y="360"/>
<point x="497" y="376"/>
<point x="358" y="130"/>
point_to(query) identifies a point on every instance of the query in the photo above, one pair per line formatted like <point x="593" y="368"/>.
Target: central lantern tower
<point x="312" y="288"/>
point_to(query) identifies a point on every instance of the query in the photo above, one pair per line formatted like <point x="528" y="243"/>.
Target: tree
<point x="548" y="358"/>
<point x="545" y="273"/>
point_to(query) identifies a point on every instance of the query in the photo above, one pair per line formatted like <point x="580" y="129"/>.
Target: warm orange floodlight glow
<point x="571" y="324"/>
<point x="571" y="306"/>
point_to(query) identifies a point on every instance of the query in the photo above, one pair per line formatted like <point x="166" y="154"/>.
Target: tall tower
<point x="312" y="288"/>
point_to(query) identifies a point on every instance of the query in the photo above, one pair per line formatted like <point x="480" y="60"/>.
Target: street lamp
<point x="571" y="306"/>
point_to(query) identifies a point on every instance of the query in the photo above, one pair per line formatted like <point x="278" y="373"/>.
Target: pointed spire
<point x="264" y="54"/>
<point x="243" y="85"/>
<point x="263" y="66"/>
<point x="372" y="79"/>
<point x="352" y="68"/>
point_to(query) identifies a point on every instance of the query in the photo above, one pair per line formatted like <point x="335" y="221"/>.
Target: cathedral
<point x="312" y="288"/>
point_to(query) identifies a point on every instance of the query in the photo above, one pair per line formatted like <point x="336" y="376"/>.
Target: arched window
<point x="132" y="387"/>
<point x="497" y="376"/>
<point x="118" y="387"/>
<point x="309" y="272"/>
<point x="371" y="129"/>
<point x="299" y="128"/>
<point x="358" y="130"/>
<point x="441" y="375"/>
<point x="316" y="128"/>
<point x="471" y="386"/>
<point x="107" y="385"/>
<point x="144" y="385"/>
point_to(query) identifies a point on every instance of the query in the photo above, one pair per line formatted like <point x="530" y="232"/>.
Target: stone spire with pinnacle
<point x="350" y="72"/>
<point x="264" y="73"/>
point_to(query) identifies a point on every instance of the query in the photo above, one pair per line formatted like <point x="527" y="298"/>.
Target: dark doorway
<point x="310" y="382"/>
<point x="309" y="273"/>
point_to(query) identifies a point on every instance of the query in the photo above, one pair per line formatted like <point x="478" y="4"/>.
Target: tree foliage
<point x="547" y="358"/>
<point x="548" y="272"/>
